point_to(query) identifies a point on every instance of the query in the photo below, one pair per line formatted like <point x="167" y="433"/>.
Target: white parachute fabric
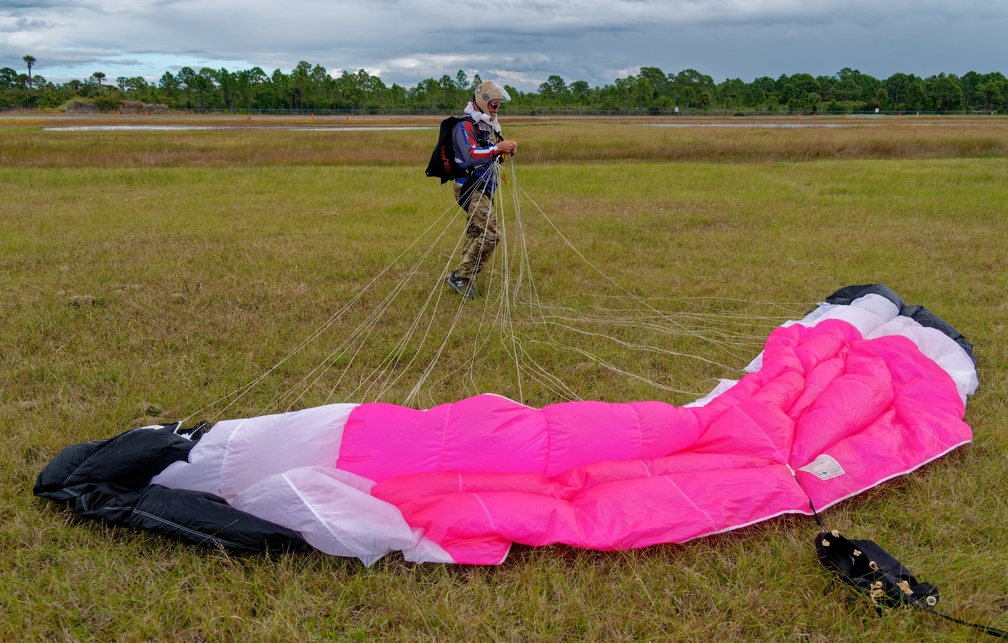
<point x="281" y="468"/>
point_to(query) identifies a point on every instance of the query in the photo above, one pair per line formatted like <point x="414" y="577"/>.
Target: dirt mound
<point x="85" y="106"/>
<point x="79" y="106"/>
<point x="136" y="107"/>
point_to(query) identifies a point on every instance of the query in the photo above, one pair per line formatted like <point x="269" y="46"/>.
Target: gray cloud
<point x="518" y="41"/>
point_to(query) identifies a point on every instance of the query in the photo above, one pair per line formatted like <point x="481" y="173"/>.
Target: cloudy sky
<point x="519" y="42"/>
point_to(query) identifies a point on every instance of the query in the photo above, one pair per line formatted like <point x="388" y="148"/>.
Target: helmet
<point x="486" y="92"/>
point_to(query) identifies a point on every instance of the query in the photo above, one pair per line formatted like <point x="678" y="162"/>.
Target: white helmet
<point x="486" y="92"/>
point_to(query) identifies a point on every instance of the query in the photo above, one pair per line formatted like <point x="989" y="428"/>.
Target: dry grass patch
<point x="299" y="140"/>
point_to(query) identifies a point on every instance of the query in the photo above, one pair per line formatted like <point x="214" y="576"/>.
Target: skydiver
<point x="478" y="144"/>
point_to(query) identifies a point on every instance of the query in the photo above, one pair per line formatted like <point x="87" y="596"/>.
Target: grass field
<point x="148" y="273"/>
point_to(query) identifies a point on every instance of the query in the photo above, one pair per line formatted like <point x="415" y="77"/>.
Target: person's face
<point x="493" y="105"/>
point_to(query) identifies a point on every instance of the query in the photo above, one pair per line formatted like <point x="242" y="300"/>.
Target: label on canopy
<point x="824" y="467"/>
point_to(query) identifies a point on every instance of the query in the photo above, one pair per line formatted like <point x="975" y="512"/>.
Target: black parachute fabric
<point x="110" y="480"/>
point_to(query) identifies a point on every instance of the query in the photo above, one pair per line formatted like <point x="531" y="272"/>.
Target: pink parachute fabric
<point x="838" y="402"/>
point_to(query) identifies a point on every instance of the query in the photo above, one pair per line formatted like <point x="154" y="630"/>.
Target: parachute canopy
<point x="863" y="389"/>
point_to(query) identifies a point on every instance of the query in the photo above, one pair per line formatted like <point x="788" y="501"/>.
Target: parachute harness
<point x="868" y="567"/>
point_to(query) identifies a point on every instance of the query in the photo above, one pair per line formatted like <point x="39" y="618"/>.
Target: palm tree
<point x="30" y="61"/>
<point x="99" y="76"/>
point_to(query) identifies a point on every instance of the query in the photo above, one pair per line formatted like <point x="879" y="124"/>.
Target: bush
<point x="108" y="101"/>
<point x="7" y="99"/>
<point x="51" y="99"/>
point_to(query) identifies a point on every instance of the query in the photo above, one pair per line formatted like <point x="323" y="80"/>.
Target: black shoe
<point x="461" y="285"/>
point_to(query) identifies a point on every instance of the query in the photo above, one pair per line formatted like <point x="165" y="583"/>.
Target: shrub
<point x="108" y="101"/>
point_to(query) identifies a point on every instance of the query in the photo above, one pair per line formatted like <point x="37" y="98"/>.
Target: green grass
<point x="139" y="292"/>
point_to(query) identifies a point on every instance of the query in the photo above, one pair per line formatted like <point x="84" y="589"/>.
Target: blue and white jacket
<point x="475" y="147"/>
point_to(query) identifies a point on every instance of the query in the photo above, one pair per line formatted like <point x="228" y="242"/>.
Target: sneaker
<point x="461" y="285"/>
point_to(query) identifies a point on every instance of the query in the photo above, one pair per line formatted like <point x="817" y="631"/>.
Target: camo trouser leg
<point x="481" y="234"/>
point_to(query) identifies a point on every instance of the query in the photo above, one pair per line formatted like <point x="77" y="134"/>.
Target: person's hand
<point x="507" y="147"/>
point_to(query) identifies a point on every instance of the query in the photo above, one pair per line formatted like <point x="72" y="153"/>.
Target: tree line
<point x="311" y="88"/>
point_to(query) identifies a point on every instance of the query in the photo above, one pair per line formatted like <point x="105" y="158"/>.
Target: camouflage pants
<point x="481" y="234"/>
